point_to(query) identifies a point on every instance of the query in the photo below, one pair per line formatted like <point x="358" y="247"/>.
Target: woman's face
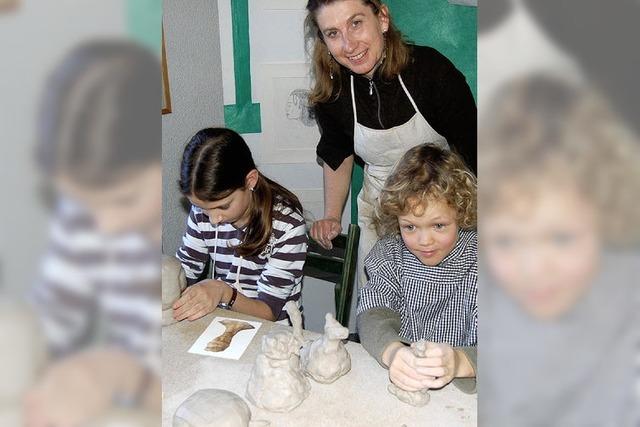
<point x="542" y="248"/>
<point x="354" y="34"/>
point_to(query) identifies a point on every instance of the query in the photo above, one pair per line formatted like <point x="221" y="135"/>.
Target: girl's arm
<point x="194" y="253"/>
<point x="336" y="189"/>
<point x="281" y="279"/>
<point x="203" y="297"/>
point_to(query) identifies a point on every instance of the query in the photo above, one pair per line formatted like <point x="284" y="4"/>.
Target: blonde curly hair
<point x="547" y="131"/>
<point x="426" y="173"/>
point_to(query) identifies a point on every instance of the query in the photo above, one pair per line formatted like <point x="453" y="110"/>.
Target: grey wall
<point x="193" y="62"/>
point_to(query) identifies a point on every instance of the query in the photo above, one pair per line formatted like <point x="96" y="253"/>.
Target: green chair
<point x="337" y="265"/>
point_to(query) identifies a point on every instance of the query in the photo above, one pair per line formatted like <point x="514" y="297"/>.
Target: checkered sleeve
<point x="383" y="285"/>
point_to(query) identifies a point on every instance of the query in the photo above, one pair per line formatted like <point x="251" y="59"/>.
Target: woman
<point x="376" y="97"/>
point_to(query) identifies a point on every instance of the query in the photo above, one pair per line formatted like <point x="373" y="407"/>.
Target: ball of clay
<point x="174" y="281"/>
<point x="212" y="408"/>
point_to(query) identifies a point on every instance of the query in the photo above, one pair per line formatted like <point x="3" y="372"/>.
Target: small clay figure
<point x="174" y="282"/>
<point x="212" y="407"/>
<point x="296" y="319"/>
<point x="231" y="328"/>
<point x="277" y="383"/>
<point x="326" y="359"/>
<point x="415" y="398"/>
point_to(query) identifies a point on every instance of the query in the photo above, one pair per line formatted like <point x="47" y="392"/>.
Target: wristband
<point x="229" y="305"/>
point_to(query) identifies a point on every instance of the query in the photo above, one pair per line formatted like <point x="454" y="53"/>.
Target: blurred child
<point x="250" y="227"/>
<point x="98" y="296"/>
<point x="422" y="277"/>
<point x="559" y="202"/>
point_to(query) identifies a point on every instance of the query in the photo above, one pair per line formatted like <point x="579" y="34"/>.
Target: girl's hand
<point x="325" y="230"/>
<point x="200" y="299"/>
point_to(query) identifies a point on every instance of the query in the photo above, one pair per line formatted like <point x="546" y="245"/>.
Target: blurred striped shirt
<point x="273" y="277"/>
<point x="98" y="289"/>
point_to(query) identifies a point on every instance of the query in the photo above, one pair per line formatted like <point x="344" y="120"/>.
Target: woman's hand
<point x="439" y="366"/>
<point x="325" y="230"/>
<point x="201" y="299"/>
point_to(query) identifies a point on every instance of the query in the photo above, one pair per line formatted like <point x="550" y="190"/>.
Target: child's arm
<point x="282" y="276"/>
<point x="379" y="301"/>
<point x="203" y="297"/>
<point x="194" y="253"/>
<point x="440" y="365"/>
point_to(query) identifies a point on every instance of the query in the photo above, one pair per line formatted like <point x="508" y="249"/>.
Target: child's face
<point x="542" y="248"/>
<point x="432" y="234"/>
<point x="132" y="205"/>
<point x="233" y="209"/>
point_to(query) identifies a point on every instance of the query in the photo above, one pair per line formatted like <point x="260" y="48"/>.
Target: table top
<point x="359" y="398"/>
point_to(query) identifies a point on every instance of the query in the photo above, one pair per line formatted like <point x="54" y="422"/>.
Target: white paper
<point x="238" y="345"/>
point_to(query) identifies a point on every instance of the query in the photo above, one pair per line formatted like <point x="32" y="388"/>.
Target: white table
<point x="359" y="398"/>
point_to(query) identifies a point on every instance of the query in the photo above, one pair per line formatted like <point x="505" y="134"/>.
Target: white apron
<point x="381" y="149"/>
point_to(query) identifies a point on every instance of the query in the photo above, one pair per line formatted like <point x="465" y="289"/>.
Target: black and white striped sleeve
<point x="193" y="254"/>
<point x="281" y="280"/>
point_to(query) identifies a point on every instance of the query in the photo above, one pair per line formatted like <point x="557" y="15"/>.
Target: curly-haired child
<point x="422" y="275"/>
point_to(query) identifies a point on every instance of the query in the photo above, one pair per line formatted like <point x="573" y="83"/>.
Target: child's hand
<point x="200" y="299"/>
<point x="406" y="370"/>
<point x="439" y="366"/>
<point x="325" y="230"/>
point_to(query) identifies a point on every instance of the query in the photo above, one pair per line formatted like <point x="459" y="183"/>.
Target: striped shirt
<point x="437" y="303"/>
<point x="98" y="289"/>
<point x="274" y="276"/>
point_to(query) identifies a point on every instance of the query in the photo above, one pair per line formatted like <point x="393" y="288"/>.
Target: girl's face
<point x="233" y="209"/>
<point x="353" y="34"/>
<point x="432" y="235"/>
<point x="132" y="205"/>
<point x="542" y="248"/>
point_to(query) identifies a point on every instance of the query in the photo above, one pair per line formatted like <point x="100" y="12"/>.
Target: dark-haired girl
<point x="250" y="227"/>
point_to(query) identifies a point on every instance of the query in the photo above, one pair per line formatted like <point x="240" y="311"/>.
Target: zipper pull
<point x="370" y="87"/>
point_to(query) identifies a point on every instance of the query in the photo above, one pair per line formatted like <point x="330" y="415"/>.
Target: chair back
<point x="336" y="265"/>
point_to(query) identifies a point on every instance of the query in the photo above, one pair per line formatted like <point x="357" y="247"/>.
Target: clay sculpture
<point x="174" y="282"/>
<point x="415" y="398"/>
<point x="231" y="328"/>
<point x="212" y="407"/>
<point x="326" y="359"/>
<point x="277" y="383"/>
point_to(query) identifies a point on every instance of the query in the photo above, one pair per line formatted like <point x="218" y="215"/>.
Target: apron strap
<point x="415" y="107"/>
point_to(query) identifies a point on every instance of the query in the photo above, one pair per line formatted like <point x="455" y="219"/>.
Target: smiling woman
<point x="375" y="97"/>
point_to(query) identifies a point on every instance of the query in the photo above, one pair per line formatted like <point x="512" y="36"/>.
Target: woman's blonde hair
<point x="397" y="53"/>
<point x="427" y="173"/>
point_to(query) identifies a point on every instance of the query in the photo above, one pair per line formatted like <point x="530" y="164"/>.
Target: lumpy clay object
<point x="326" y="359"/>
<point x="212" y="408"/>
<point x="414" y="398"/>
<point x="232" y="327"/>
<point x="277" y="383"/>
<point x="174" y="282"/>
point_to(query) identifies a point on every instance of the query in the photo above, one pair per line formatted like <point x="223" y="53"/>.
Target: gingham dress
<point x="437" y="303"/>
